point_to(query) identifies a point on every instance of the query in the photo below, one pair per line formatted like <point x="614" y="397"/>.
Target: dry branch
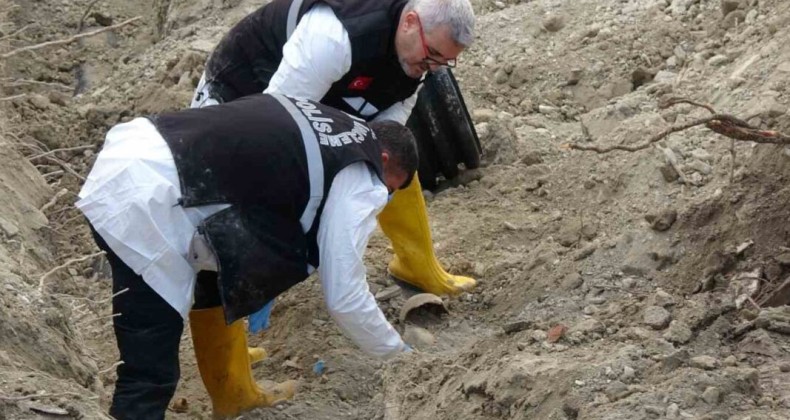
<point x="11" y="98"/>
<point x="19" y="31"/>
<point x="85" y="15"/>
<point x="64" y="265"/>
<point x="64" y="149"/>
<point x="11" y="82"/>
<point x="54" y="199"/>
<point x="724" y="124"/>
<point x="68" y="40"/>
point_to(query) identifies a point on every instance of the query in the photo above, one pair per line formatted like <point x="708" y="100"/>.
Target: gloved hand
<point x="260" y="320"/>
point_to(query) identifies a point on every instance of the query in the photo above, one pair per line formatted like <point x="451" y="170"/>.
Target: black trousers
<point x="148" y="333"/>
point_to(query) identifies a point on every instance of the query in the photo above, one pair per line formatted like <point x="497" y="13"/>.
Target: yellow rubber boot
<point x="224" y="363"/>
<point x="405" y="222"/>
<point x="257" y="354"/>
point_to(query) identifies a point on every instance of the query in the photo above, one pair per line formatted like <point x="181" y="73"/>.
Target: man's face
<point x="419" y="50"/>
<point x="394" y="176"/>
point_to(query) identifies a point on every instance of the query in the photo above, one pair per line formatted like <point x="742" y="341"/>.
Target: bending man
<point x="366" y="58"/>
<point x="232" y="205"/>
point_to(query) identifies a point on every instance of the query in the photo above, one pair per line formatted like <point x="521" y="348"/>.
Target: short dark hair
<point x="399" y="142"/>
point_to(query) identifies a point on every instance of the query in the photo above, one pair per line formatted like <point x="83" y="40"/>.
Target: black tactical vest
<point x="248" y="55"/>
<point x="273" y="158"/>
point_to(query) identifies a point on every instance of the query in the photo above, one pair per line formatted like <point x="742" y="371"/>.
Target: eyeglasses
<point x="429" y="61"/>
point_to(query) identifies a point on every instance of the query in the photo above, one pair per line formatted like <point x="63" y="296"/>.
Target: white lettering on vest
<point x="324" y="126"/>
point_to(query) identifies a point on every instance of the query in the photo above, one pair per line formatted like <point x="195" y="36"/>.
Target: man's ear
<point x="385" y="157"/>
<point x="410" y="19"/>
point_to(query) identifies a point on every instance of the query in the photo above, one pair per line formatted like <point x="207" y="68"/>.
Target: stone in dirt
<point x="553" y="22"/>
<point x="656" y="317"/>
<point x="704" y="362"/>
<point x="516" y="326"/>
<point x="662" y="221"/>
<point x="712" y="395"/>
<point x="556" y="332"/>
<point x="588" y="326"/>
<point x="678" y="332"/>
<point x="418" y="337"/>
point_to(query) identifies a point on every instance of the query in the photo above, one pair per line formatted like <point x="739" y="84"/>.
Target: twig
<point x="65" y="166"/>
<point x="68" y="40"/>
<point x="648" y="143"/>
<point x="11" y="82"/>
<point x="65" y="149"/>
<point x="11" y="98"/>
<point x="114" y="365"/>
<point x="83" y="323"/>
<point x="724" y="124"/>
<point x="674" y="101"/>
<point x="19" y="31"/>
<point x="54" y="199"/>
<point x="64" y="265"/>
<point x="84" y="15"/>
<point x="59" y="394"/>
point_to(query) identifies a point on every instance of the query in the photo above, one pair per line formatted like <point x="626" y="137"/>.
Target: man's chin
<point x="412" y="71"/>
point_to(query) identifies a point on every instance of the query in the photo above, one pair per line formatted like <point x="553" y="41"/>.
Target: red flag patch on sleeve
<point x="360" y="83"/>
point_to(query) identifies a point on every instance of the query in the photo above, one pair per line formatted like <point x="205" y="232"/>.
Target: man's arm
<point x="399" y="111"/>
<point x="316" y="55"/>
<point x="348" y="219"/>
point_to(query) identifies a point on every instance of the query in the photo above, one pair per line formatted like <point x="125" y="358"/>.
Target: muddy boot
<point x="224" y="363"/>
<point x="405" y="222"/>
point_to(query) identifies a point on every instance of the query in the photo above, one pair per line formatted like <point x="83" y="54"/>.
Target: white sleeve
<point x="349" y="217"/>
<point x="316" y="55"/>
<point x="399" y="111"/>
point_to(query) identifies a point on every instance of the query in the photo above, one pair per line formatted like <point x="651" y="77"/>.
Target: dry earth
<point x="612" y="286"/>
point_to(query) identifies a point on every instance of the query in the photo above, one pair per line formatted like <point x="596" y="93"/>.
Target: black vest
<point x="248" y="55"/>
<point x="273" y="158"/>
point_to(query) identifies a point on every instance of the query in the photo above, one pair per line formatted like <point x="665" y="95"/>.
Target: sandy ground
<point x="623" y="285"/>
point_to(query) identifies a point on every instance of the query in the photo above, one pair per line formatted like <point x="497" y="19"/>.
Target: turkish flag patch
<point x="360" y="83"/>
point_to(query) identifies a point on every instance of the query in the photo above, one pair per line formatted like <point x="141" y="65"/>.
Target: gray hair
<point x="457" y="14"/>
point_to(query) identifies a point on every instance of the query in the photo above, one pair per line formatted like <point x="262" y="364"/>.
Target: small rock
<point x="704" y="362"/>
<point x="662" y="221"/>
<point x="712" y="395"/>
<point x="751" y="17"/>
<point x="616" y="391"/>
<point x="553" y="22"/>
<point x="516" y="326"/>
<point x="40" y="102"/>
<point x="500" y="77"/>
<point x="628" y="374"/>
<point x="732" y="361"/>
<point x="388" y="293"/>
<point x="418" y="337"/>
<point x="539" y="336"/>
<point x="656" y="317"/>
<point x="556" y="332"/>
<point x="589" y="326"/>
<point x="673" y="411"/>
<point x="575" y="76"/>
<point x="533" y="157"/>
<point x="572" y="281"/>
<point x="700" y="166"/>
<point x="718" y="60"/>
<point x="728" y="6"/>
<point x="662" y="298"/>
<point x="702" y="155"/>
<point x="481" y="115"/>
<point x="8" y="228"/>
<point x="664" y="76"/>
<point x="547" y="109"/>
<point x="678" y="332"/>
<point x="585" y="252"/>
<point x="669" y="173"/>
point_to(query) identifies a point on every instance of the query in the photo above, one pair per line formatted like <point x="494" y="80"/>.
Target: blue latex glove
<point x="260" y="320"/>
